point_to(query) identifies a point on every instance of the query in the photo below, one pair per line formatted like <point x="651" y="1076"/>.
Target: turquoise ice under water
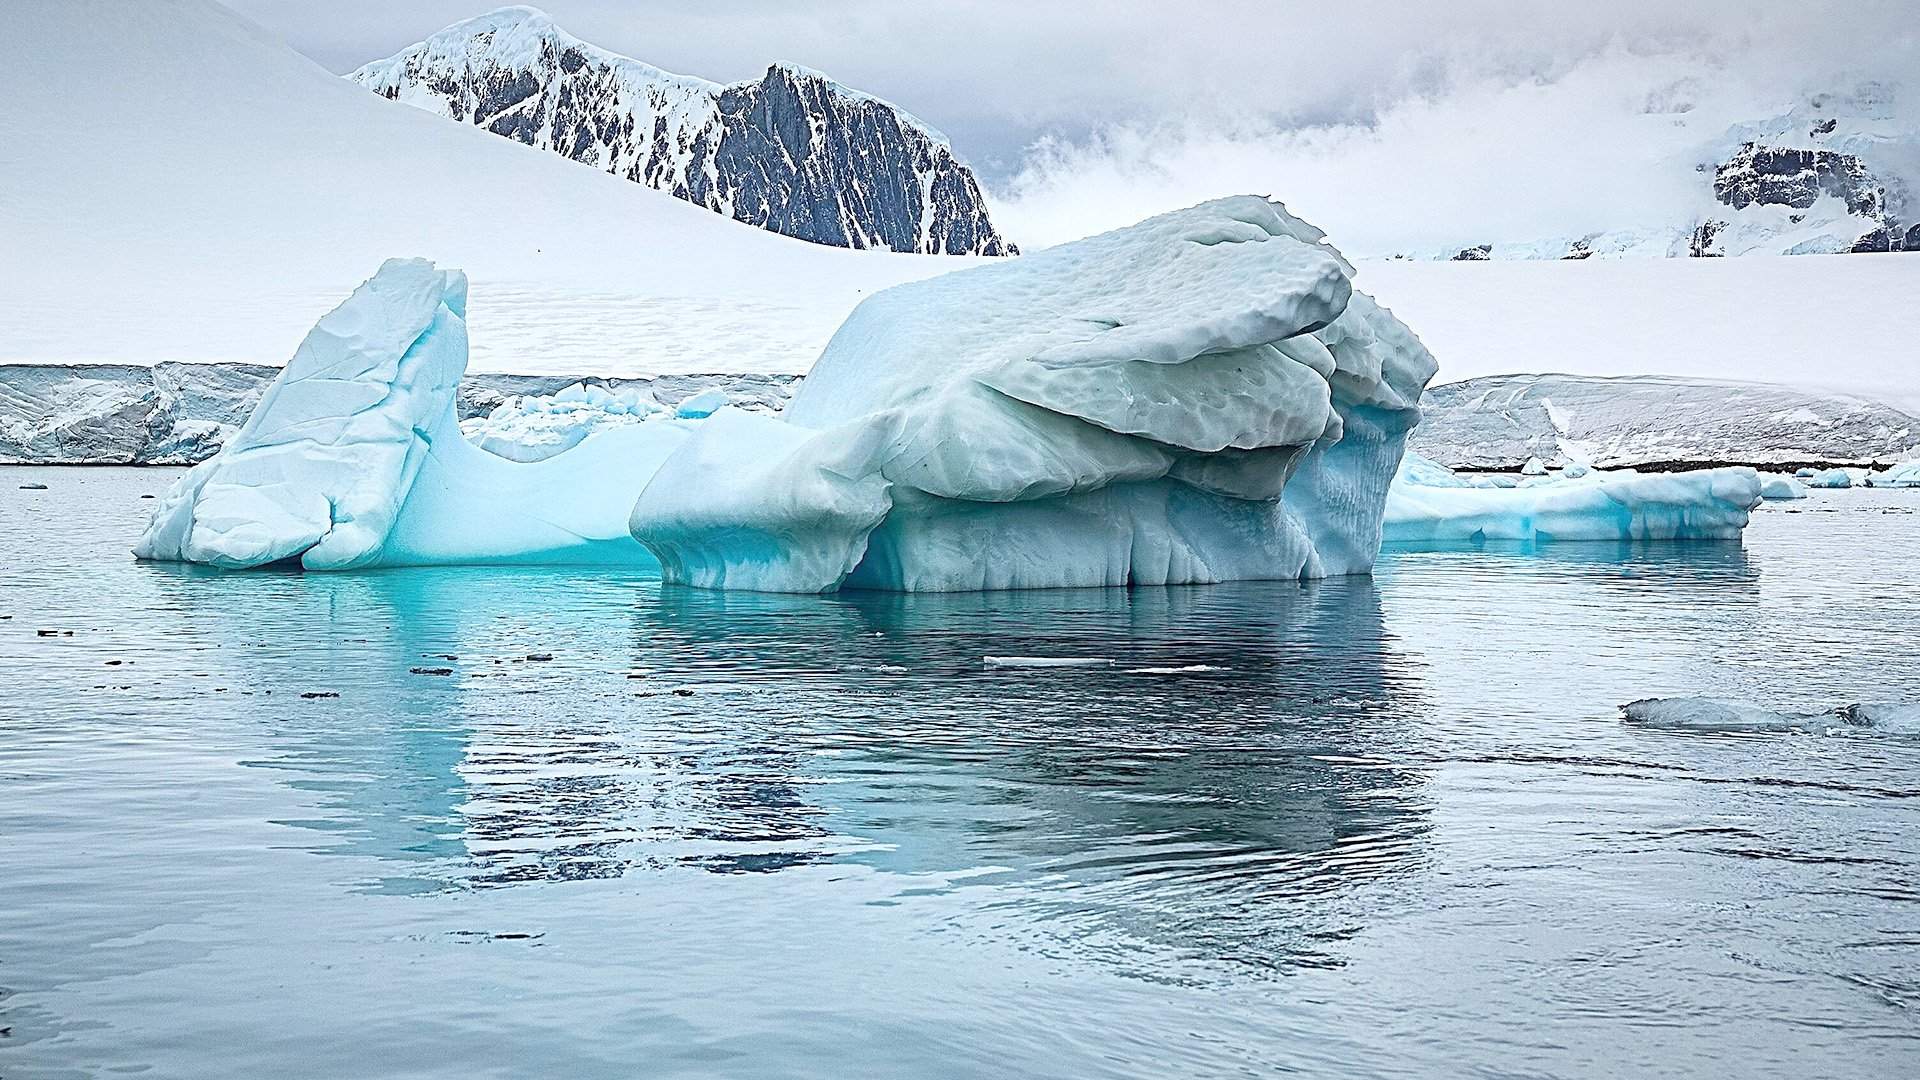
<point x="1359" y="828"/>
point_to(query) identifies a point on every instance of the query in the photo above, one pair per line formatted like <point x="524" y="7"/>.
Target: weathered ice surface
<point x="793" y="152"/>
<point x="354" y="457"/>
<point x="1501" y="421"/>
<point x="181" y="414"/>
<point x="1428" y="505"/>
<point x="1127" y="409"/>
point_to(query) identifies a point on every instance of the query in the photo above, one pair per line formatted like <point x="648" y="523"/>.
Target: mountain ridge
<point x="793" y="152"/>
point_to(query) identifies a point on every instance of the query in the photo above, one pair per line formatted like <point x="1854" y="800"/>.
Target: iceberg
<point x="1830" y="478"/>
<point x="354" y="457"/>
<point x="1125" y="409"/>
<point x="1781" y="488"/>
<point x="1430" y="504"/>
<point x="1904" y="475"/>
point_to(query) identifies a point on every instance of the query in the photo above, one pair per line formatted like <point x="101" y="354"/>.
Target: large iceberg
<point x="1126" y="409"/>
<point x="1430" y="504"/>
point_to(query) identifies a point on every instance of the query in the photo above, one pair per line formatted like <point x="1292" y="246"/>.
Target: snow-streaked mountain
<point x="182" y="186"/>
<point x="793" y="151"/>
<point x="1823" y="177"/>
<point x="1501" y="421"/>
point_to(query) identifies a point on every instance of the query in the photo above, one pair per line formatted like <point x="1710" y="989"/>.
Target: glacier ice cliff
<point x="1127" y="409"/>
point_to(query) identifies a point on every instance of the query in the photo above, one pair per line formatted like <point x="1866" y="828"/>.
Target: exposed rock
<point x="793" y="152"/>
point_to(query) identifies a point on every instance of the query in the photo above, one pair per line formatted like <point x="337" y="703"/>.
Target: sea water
<point x="573" y="823"/>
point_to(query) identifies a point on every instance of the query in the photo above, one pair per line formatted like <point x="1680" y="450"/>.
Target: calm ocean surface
<point x="1361" y="828"/>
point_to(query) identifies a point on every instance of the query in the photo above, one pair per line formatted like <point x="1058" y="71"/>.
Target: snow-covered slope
<point x="1829" y="321"/>
<point x="1821" y="177"/>
<point x="180" y="186"/>
<point x="1501" y="421"/>
<point x="792" y="151"/>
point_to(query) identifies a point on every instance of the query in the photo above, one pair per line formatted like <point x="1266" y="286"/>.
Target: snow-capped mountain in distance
<point x="1500" y="421"/>
<point x="793" y="152"/>
<point x="1823" y="177"/>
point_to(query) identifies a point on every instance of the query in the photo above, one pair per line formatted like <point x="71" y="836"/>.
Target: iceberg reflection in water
<point x="1355" y="827"/>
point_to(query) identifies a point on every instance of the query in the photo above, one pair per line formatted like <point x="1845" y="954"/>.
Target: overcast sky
<point x="1082" y="115"/>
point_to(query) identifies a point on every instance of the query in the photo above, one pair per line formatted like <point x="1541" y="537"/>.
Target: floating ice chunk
<point x="1781" y="488"/>
<point x="1046" y="661"/>
<point x="1805" y="473"/>
<point x="534" y="428"/>
<point x="1183" y="669"/>
<point x="1726" y="717"/>
<point x="1575" y="470"/>
<point x="319" y="471"/>
<point x="1709" y="504"/>
<point x="1888" y="719"/>
<point x="354" y="457"/>
<point x="1904" y="475"/>
<point x="1830" y="478"/>
<point x="1124" y="409"/>
<point x="1534" y="467"/>
<point x="701" y="405"/>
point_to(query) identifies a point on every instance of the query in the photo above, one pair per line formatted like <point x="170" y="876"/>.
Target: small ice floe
<point x="1046" y="661"/>
<point x="1182" y="670"/>
<point x="701" y="405"/>
<point x="1534" y="467"/>
<point x="1889" y="719"/>
<point x="1830" y="478"/>
<point x="1779" y="488"/>
<point x="1731" y="717"/>
<point x="1726" y="717"/>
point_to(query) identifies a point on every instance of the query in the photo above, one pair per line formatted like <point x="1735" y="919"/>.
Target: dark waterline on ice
<point x="572" y="823"/>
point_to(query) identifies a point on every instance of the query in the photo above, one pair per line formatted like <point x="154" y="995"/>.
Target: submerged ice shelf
<point x="1201" y="397"/>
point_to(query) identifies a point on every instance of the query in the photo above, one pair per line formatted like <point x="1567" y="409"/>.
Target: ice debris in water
<point x="1431" y="504"/>
<point x="1729" y="717"/>
<point x="1781" y="488"/>
<point x="701" y="405"/>
<point x="535" y="427"/>
<point x="1830" y="478"/>
<point x="1046" y="661"/>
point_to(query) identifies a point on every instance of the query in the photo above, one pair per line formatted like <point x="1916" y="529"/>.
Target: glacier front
<point x="1126" y="409"/>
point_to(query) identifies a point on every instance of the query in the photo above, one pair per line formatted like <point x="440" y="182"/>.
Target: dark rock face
<point x="1701" y="246"/>
<point x="1477" y="253"/>
<point x="1781" y="176"/>
<point x="792" y="152"/>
